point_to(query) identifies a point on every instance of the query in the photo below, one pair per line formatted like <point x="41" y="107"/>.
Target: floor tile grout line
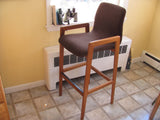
<point x="34" y="104"/>
<point x="69" y="102"/>
<point x="56" y="106"/>
<point x="13" y="105"/>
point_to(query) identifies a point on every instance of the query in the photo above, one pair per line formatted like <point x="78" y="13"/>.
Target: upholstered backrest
<point x="109" y="19"/>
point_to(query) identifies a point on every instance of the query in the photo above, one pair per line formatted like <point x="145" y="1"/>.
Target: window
<point x="85" y="9"/>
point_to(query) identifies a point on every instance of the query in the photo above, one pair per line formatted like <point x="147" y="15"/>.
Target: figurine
<point x="69" y="15"/>
<point x="60" y="16"/>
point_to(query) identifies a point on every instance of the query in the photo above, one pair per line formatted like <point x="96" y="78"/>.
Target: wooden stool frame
<point x="157" y="103"/>
<point x="85" y="92"/>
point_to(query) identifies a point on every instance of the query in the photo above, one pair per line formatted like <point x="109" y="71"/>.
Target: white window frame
<point x="50" y="27"/>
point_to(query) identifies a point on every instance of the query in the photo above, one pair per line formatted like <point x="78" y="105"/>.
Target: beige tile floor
<point x="135" y="90"/>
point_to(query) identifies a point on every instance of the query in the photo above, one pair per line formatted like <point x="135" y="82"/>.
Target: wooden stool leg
<point x="84" y="104"/>
<point x="87" y="81"/>
<point x="61" y="54"/>
<point x="155" y="108"/>
<point x="116" y="54"/>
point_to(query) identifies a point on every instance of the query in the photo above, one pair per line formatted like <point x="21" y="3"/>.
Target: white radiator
<point x="102" y="60"/>
<point x="151" y="60"/>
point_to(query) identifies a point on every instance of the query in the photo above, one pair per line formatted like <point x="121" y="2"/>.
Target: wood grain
<point x="4" y="114"/>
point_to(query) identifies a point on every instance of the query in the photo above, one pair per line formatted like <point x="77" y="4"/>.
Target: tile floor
<point x="135" y="90"/>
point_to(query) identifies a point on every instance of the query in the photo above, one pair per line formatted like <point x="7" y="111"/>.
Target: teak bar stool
<point x="106" y="35"/>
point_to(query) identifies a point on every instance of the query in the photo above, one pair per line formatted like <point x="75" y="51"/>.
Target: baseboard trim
<point x="24" y="86"/>
<point x="138" y="59"/>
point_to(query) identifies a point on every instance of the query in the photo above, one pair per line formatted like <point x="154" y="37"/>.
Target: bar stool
<point x="106" y="35"/>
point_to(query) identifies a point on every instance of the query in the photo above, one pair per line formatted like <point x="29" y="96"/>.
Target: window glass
<point x="85" y="9"/>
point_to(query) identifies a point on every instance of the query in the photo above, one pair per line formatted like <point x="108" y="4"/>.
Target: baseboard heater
<point x="151" y="60"/>
<point x="102" y="60"/>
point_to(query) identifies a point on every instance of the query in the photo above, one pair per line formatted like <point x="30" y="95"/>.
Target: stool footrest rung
<point x="74" y="85"/>
<point x="74" y="66"/>
<point x="100" y="73"/>
<point x="99" y="87"/>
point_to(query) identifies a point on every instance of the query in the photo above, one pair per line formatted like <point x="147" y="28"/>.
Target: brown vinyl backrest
<point x="108" y="23"/>
<point x="109" y="20"/>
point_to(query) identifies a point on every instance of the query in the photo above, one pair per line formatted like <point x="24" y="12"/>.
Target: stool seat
<point x="78" y="43"/>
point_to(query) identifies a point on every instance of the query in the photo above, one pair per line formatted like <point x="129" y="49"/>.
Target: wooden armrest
<point x="63" y="29"/>
<point x="115" y="39"/>
<point x="93" y="44"/>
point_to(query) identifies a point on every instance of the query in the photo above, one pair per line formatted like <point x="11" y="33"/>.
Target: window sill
<point x="52" y="27"/>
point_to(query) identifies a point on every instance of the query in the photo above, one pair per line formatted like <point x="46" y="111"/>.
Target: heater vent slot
<point x="71" y="59"/>
<point x="152" y="57"/>
<point x="151" y="60"/>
